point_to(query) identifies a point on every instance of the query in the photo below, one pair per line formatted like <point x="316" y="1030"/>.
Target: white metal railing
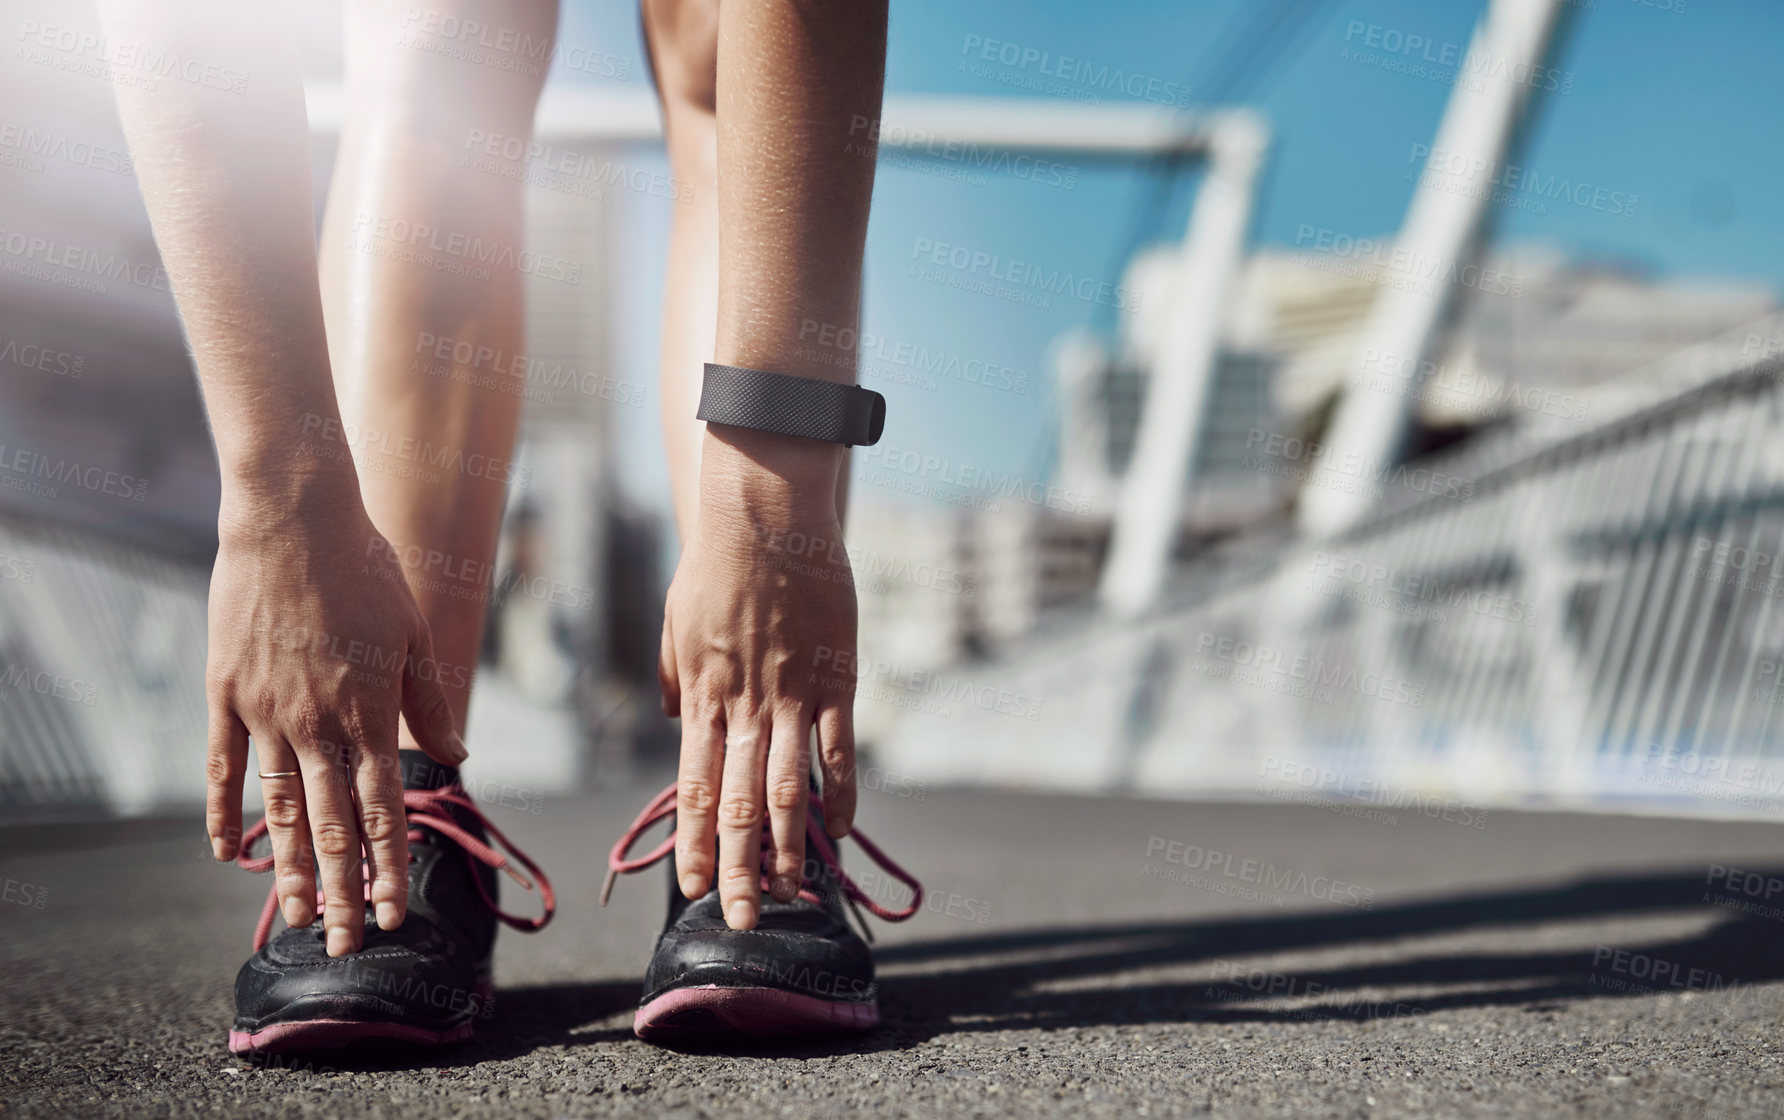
<point x="101" y="673"/>
<point x="1592" y="614"/>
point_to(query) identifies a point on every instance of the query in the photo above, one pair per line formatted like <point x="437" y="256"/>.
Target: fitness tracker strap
<point x="792" y="406"/>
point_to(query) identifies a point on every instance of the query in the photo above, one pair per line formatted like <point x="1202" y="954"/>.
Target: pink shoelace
<point x="663" y="806"/>
<point x="425" y="808"/>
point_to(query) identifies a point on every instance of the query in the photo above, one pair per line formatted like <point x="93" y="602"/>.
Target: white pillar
<point x="1491" y="90"/>
<point x="1147" y="509"/>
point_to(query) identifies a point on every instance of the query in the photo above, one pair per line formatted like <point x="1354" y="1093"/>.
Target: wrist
<point x="298" y="500"/>
<point x="760" y="478"/>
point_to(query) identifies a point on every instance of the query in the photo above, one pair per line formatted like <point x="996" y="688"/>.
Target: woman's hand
<point x="316" y="647"/>
<point x="758" y="646"/>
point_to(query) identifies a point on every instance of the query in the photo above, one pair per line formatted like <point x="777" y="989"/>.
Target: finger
<point x="788" y="791"/>
<point x="226" y="765"/>
<point x="425" y="709"/>
<point x="697" y="800"/>
<point x="334" y="834"/>
<point x="383" y="822"/>
<point x="836" y="761"/>
<point x="668" y="679"/>
<point x="288" y="829"/>
<point x="740" y="817"/>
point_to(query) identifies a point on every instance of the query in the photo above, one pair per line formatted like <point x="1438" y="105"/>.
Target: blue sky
<point x="1672" y="102"/>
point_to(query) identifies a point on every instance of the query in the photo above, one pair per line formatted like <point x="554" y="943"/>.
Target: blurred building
<point x="1575" y="331"/>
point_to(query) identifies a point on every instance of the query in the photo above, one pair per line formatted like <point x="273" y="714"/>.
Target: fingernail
<point x="740" y="914"/>
<point x="294" y="912"/>
<point x="784" y="888"/>
<point x="692" y="886"/>
<point x="219" y="849"/>
<point x="340" y="942"/>
<point x="389" y="917"/>
<point x="456" y="746"/>
<point x="837" y="827"/>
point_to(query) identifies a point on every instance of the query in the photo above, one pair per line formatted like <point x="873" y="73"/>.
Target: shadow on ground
<point x="999" y="981"/>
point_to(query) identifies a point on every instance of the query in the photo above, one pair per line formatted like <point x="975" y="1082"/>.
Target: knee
<point x="683" y="36"/>
<point x="452" y="60"/>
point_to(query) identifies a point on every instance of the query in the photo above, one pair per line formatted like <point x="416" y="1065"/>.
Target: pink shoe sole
<point x="332" y="1034"/>
<point x="711" y="1011"/>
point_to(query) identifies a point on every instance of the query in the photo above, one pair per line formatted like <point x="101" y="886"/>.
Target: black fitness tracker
<point x="792" y="406"/>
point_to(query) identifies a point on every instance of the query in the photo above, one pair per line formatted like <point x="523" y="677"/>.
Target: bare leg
<point x="422" y="353"/>
<point x="683" y="36"/>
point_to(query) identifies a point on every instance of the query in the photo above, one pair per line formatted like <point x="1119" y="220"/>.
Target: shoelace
<point x="425" y="808"/>
<point x="663" y="806"/>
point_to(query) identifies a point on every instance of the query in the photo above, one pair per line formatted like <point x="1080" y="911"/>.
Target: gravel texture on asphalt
<point x="1074" y="957"/>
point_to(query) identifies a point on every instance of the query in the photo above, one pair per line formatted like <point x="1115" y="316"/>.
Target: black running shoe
<point x="801" y="971"/>
<point x="425" y="982"/>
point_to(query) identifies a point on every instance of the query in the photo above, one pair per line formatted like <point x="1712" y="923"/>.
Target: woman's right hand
<point x="316" y="647"/>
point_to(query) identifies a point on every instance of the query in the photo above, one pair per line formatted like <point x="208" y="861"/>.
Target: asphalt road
<point x="1075" y="958"/>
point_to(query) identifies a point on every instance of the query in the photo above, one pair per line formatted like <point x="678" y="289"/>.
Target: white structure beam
<point x="1492" y="87"/>
<point x="1172" y="417"/>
